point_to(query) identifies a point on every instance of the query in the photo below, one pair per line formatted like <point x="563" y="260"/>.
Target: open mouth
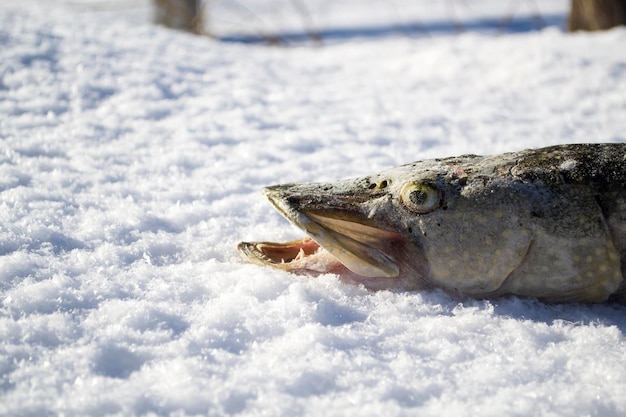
<point x="296" y="256"/>
<point x="281" y="253"/>
<point x="336" y="239"/>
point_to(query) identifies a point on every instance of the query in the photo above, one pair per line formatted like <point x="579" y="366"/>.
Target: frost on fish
<point x="548" y="223"/>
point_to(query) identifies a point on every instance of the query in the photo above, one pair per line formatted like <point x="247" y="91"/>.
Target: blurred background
<point x="323" y="21"/>
<point x="282" y="20"/>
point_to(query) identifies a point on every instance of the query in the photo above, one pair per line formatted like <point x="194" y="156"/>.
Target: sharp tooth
<point x="300" y="255"/>
<point x="261" y="254"/>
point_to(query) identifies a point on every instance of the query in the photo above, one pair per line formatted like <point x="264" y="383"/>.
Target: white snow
<point x="131" y="159"/>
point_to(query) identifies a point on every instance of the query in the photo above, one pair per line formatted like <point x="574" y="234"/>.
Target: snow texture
<point x="131" y="159"/>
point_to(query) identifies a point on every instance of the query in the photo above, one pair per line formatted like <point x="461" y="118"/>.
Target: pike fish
<point x="547" y="223"/>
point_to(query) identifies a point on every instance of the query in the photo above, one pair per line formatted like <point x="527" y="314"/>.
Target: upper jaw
<point x="338" y="222"/>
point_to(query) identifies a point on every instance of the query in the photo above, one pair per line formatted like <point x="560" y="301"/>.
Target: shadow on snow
<point x="416" y="28"/>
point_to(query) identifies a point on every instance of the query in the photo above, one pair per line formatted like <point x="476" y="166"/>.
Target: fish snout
<point x="337" y="217"/>
<point x="341" y="195"/>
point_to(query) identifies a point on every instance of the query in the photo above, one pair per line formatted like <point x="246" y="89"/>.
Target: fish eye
<point x="420" y="198"/>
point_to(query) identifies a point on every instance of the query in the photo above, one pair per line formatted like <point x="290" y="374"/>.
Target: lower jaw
<point x="314" y="261"/>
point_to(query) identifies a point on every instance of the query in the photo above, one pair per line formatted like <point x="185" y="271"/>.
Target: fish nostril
<point x="381" y="185"/>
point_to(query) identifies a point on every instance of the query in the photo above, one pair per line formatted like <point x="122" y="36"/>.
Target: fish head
<point x="414" y="226"/>
<point x="467" y="224"/>
<point x="531" y="223"/>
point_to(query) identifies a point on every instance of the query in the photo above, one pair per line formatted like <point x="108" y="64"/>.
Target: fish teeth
<point x="300" y="255"/>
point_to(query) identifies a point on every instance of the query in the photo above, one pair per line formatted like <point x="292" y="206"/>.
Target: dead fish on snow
<point x="547" y="223"/>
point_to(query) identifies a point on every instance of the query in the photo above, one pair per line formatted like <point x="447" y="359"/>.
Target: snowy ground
<point x="131" y="159"/>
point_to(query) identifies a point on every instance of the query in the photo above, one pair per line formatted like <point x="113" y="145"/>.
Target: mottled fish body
<point x="547" y="223"/>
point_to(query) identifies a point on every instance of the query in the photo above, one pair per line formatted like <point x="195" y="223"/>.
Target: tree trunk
<point x="596" y="14"/>
<point x="179" y="14"/>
